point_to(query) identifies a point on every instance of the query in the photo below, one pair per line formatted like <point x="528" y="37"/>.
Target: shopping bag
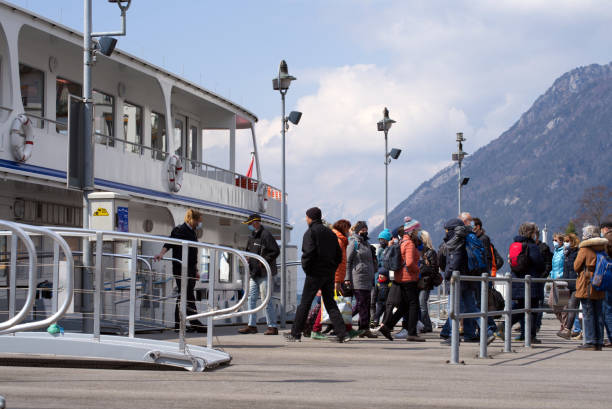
<point x="345" y="305"/>
<point x="559" y="295"/>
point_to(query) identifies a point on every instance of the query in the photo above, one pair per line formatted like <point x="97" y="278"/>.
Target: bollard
<point x="455" y="303"/>
<point x="527" y="323"/>
<point x="508" y="314"/>
<point x="484" y="309"/>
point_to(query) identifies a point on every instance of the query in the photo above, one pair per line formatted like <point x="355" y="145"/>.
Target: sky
<point x="440" y="67"/>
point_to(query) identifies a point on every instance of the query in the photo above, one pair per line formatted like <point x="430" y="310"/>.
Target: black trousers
<point x="311" y="286"/>
<point x="409" y="304"/>
<point x="191" y="307"/>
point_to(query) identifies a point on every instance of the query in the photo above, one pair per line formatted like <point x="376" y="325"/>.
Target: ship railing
<point x="8" y="109"/>
<point x="484" y="280"/>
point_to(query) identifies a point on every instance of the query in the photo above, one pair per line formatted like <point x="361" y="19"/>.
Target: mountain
<point x="535" y="171"/>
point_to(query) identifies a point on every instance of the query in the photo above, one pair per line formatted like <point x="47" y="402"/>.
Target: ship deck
<point x="267" y="372"/>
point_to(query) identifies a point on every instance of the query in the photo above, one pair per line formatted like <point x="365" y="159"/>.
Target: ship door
<point x="193" y="144"/>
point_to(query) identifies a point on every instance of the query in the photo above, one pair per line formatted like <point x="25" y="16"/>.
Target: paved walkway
<point x="268" y="373"/>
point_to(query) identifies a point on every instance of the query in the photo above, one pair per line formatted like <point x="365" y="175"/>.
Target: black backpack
<point x="392" y="257"/>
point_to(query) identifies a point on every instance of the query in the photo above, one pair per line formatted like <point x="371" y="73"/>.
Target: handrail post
<point x="98" y="283"/>
<point x="13" y="276"/>
<point x="484" y="309"/>
<point x="183" y="290"/>
<point x="508" y="314"/>
<point x="455" y="310"/>
<point x="528" y="328"/>
<point x="133" y="267"/>
<point x="55" y="293"/>
<point x="212" y="277"/>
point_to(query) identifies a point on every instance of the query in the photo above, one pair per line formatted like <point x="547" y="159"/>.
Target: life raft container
<point x="175" y="173"/>
<point x="22" y="138"/>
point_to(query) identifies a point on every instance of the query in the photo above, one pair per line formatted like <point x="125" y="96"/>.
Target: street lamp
<point x="383" y="126"/>
<point x="458" y="157"/>
<point x="281" y="83"/>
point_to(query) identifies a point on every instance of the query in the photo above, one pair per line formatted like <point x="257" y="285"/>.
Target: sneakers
<point x="367" y="334"/>
<point x="317" y="335"/>
<point x="475" y="340"/>
<point x="490" y="339"/>
<point x="402" y="334"/>
<point x="248" y="330"/>
<point x="536" y="341"/>
<point x="353" y="333"/>
<point x="499" y="334"/>
<point x="385" y="332"/>
<point x="565" y="334"/>
<point x="340" y="340"/>
<point x="589" y="347"/>
<point x="414" y="338"/>
<point x="577" y="337"/>
<point x="271" y="331"/>
<point x="445" y="341"/>
<point x="290" y="338"/>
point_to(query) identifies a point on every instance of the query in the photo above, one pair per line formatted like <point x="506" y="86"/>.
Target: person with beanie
<point x="378" y="299"/>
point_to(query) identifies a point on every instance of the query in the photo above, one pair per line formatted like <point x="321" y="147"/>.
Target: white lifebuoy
<point x="175" y="173"/>
<point x="22" y="138"/>
<point x="262" y="200"/>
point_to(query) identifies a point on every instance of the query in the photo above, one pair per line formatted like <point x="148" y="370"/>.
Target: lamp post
<point x="384" y="125"/>
<point x="458" y="157"/>
<point x="281" y="83"/>
<point x="105" y="46"/>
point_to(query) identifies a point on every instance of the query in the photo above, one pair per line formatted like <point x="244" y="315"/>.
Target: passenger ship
<point x="146" y="120"/>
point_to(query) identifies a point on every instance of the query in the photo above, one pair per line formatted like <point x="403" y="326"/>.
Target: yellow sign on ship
<point x="101" y="212"/>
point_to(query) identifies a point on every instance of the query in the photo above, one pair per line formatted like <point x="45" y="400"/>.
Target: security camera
<point x="106" y="45"/>
<point x="294" y="117"/>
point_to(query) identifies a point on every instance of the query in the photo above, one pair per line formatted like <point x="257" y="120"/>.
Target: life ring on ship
<point x="175" y="173"/>
<point x="262" y="199"/>
<point x="22" y="138"/>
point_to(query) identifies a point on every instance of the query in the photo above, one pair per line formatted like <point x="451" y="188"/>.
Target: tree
<point x="595" y="205"/>
<point x="571" y="228"/>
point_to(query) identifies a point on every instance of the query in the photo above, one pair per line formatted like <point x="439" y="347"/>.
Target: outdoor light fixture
<point x="395" y="153"/>
<point x="282" y="82"/>
<point x="464" y="181"/>
<point x="294" y="117"/>
<point x="383" y="126"/>
<point x="106" y="45"/>
<point x="458" y="157"/>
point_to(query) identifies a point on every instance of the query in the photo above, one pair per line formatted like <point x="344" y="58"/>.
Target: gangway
<point x="21" y="338"/>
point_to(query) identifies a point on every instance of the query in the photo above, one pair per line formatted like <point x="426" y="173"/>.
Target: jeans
<point x="607" y="314"/>
<point x="592" y="321"/>
<point x="424" y="310"/>
<point x="409" y="305"/>
<point x="467" y="304"/>
<point x="312" y="284"/>
<point x="257" y="287"/>
<point x="362" y="307"/>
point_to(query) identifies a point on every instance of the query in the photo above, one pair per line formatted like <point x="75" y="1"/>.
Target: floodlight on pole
<point x="458" y="157"/>
<point x="281" y="83"/>
<point x="383" y="126"/>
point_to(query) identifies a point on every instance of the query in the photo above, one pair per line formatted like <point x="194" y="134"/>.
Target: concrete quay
<point x="267" y="372"/>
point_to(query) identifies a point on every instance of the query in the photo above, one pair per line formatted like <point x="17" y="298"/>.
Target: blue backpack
<point x="477" y="262"/>
<point x="602" y="277"/>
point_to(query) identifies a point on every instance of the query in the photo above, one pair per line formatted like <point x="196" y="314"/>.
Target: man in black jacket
<point x="185" y="231"/>
<point x="263" y="243"/>
<point x="321" y="256"/>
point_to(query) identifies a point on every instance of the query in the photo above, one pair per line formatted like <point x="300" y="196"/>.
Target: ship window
<point x="32" y="83"/>
<point x="64" y="88"/>
<point x="132" y="126"/>
<point x="225" y="267"/>
<point x="192" y="143"/>
<point x="104" y="113"/>
<point x="179" y="132"/>
<point x="159" y="142"/>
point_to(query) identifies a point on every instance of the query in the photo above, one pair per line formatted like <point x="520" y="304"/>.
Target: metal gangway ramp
<point x="20" y="337"/>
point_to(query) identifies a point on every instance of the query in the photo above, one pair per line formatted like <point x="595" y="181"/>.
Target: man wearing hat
<point x="263" y="243"/>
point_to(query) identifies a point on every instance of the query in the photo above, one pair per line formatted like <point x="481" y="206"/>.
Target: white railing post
<point x="508" y="314"/>
<point x="183" y="290"/>
<point x="98" y="284"/>
<point x="484" y="309"/>
<point x="133" y="268"/>
<point x="528" y="328"/>
<point x="454" y="315"/>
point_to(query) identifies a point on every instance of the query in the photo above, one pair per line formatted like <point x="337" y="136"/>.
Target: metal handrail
<point x="25" y="238"/>
<point x="455" y="315"/>
<point x="42" y="118"/>
<point x="69" y="283"/>
<point x="6" y="108"/>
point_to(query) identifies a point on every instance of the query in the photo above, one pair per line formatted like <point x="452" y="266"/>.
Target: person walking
<point x="380" y="289"/>
<point x="591" y="299"/>
<point x="360" y="275"/>
<point x="489" y="259"/>
<point x="407" y="280"/>
<point x="570" y="251"/>
<point x="185" y="231"/>
<point x="263" y="243"/>
<point x="427" y="281"/>
<point x="321" y="256"/>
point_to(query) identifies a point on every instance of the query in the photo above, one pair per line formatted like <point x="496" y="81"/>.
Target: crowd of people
<point x="392" y="281"/>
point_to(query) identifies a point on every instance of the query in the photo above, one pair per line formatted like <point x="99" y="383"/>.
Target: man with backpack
<point x="490" y="257"/>
<point x="455" y="258"/>
<point x="526" y="259"/>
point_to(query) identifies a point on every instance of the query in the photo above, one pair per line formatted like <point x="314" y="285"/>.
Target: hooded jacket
<point x="585" y="267"/>
<point x="536" y="269"/>
<point x="359" y="263"/>
<point x="455" y="253"/>
<point x="341" y="270"/>
<point x="558" y="259"/>
<point x="410" y="255"/>
<point x="321" y="253"/>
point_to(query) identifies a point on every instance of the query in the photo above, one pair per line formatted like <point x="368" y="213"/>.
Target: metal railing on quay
<point x="455" y="315"/>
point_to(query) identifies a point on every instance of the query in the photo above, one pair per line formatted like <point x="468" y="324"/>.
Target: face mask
<point x="472" y="224"/>
<point x="601" y="234"/>
<point x="555" y="244"/>
<point x="566" y="244"/>
<point x="364" y="235"/>
<point x="420" y="247"/>
<point x="383" y="243"/>
<point x="199" y="226"/>
<point x="251" y="228"/>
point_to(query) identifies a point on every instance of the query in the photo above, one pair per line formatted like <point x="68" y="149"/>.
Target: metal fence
<point x="455" y="315"/>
